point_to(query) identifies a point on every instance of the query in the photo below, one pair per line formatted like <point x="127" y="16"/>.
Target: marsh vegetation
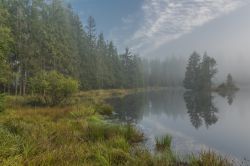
<point x="76" y="135"/>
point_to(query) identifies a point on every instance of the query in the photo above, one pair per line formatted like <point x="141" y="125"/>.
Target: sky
<point x="164" y="28"/>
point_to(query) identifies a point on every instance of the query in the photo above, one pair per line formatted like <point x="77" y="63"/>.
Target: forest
<point x="42" y="36"/>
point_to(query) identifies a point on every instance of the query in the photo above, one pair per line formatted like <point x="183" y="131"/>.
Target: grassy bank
<point x="79" y="135"/>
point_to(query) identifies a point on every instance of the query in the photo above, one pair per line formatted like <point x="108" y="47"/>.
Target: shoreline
<point x="78" y="133"/>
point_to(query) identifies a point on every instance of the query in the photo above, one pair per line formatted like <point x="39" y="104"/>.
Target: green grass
<point x="63" y="136"/>
<point x="76" y="135"/>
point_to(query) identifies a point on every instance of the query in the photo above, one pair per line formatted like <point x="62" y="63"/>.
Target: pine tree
<point x="207" y="72"/>
<point x="199" y="74"/>
<point x="230" y="82"/>
<point x="91" y="31"/>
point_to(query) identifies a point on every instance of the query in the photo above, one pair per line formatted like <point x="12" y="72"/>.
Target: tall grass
<point x="209" y="158"/>
<point x="63" y="136"/>
<point x="163" y="143"/>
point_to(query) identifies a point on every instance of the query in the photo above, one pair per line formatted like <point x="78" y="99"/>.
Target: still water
<point x="197" y="121"/>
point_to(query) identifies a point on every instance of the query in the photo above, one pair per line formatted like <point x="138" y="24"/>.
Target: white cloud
<point x="167" y="20"/>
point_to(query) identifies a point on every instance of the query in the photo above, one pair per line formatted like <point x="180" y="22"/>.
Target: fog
<point x="226" y="39"/>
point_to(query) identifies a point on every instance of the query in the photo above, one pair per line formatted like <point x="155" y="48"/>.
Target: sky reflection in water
<point x="197" y="121"/>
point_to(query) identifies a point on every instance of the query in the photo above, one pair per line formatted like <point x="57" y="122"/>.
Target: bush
<point x="53" y="87"/>
<point x="2" y="102"/>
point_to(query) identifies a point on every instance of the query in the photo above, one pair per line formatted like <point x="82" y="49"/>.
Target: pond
<point x="196" y="121"/>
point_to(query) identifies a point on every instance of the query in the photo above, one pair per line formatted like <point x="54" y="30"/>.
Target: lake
<point x="196" y="121"/>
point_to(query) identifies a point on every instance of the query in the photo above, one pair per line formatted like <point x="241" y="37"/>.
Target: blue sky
<point x="108" y="14"/>
<point x="149" y="26"/>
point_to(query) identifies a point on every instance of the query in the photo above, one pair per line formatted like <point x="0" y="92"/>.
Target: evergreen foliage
<point x="192" y="72"/>
<point x="230" y="82"/>
<point x="199" y="73"/>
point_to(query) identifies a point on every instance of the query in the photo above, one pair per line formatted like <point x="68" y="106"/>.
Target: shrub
<point x="53" y="87"/>
<point x="2" y="102"/>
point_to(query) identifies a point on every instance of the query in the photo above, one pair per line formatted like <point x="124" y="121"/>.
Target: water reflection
<point x="132" y="108"/>
<point x="229" y="95"/>
<point x="129" y="108"/>
<point x="197" y="121"/>
<point x="200" y="108"/>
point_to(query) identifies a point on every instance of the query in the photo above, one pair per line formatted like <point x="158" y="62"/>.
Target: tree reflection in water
<point x="201" y="108"/>
<point x="229" y="95"/>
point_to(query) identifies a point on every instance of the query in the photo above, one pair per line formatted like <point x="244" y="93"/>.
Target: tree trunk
<point x="16" y="85"/>
<point x="20" y="87"/>
<point x="24" y="83"/>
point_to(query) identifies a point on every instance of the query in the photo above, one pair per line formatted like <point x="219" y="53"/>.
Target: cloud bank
<point x="167" y="20"/>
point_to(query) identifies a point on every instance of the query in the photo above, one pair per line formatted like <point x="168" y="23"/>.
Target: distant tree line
<point x="164" y="72"/>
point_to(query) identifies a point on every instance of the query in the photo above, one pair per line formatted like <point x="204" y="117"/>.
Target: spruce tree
<point x="199" y="74"/>
<point x="192" y="72"/>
